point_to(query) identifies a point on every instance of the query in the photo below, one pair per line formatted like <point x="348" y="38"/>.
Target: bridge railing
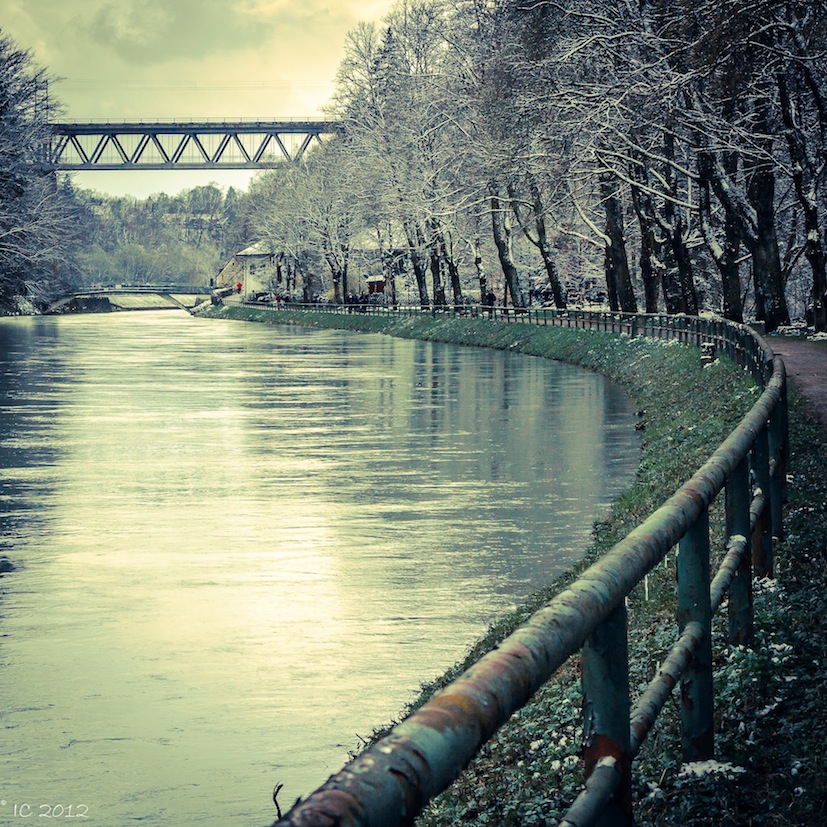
<point x="394" y="778"/>
<point x="184" y="289"/>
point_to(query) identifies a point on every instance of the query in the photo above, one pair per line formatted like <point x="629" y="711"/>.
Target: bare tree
<point x="36" y="212"/>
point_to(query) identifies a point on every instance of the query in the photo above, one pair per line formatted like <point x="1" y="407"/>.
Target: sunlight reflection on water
<point x="239" y="548"/>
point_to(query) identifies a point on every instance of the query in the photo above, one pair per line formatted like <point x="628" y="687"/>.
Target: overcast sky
<point x="182" y="59"/>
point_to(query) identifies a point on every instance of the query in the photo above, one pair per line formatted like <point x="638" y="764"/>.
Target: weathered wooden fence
<point x="392" y="780"/>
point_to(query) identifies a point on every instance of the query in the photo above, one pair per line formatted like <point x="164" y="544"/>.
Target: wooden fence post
<point x="697" y="706"/>
<point x="779" y="452"/>
<point x="741" y="627"/>
<point x="605" y="664"/>
<point x="762" y="549"/>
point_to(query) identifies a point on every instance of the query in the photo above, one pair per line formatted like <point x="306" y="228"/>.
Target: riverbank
<point x="770" y="716"/>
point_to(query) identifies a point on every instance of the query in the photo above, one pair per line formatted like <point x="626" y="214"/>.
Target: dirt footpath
<point x="806" y="364"/>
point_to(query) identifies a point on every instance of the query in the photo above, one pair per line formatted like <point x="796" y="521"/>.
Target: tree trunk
<point x="453" y="275"/>
<point x="725" y="253"/>
<point x="618" y="277"/>
<point x="649" y="259"/>
<point x="673" y="225"/>
<point x="502" y="239"/>
<point x="766" y="259"/>
<point x="541" y="241"/>
<point x="290" y="281"/>
<point x="386" y="258"/>
<point x="672" y="292"/>
<point x="731" y="273"/>
<point x="418" y="267"/>
<point x="805" y="181"/>
<point x="421" y="282"/>
<point x="307" y="289"/>
<point x="344" y="269"/>
<point x="337" y="285"/>
<point x="449" y="264"/>
<point x="550" y="265"/>
<point x="683" y="260"/>
<point x="436" y="274"/>
<point x="546" y="252"/>
<point x="478" y="268"/>
<point x="753" y="219"/>
<point x="611" y="281"/>
<point x="436" y="254"/>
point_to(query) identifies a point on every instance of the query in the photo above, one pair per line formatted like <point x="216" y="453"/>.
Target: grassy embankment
<point x="770" y="710"/>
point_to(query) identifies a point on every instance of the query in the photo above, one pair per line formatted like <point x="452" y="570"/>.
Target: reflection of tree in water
<point x="514" y="446"/>
<point x="359" y="504"/>
<point x="32" y="377"/>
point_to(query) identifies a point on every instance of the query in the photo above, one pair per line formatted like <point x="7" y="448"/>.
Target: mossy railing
<point x="394" y="778"/>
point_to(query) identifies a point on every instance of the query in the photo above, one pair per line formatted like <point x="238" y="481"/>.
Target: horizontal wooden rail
<point x="393" y="779"/>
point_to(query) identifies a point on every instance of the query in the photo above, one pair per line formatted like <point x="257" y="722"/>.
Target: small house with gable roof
<point x="254" y="268"/>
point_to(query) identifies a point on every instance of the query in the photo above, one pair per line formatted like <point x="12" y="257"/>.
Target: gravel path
<point x="806" y="364"/>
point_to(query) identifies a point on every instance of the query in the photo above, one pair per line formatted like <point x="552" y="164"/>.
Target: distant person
<point x="238" y="287"/>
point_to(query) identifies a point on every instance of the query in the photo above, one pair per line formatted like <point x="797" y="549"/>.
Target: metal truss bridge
<point x="177" y="145"/>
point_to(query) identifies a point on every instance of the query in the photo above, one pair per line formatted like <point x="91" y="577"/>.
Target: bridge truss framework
<point x="174" y="145"/>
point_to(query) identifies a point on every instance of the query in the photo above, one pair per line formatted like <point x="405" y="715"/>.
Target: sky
<point x="185" y="59"/>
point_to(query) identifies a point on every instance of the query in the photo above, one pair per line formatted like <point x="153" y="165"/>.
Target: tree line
<point x="55" y="238"/>
<point x="658" y="155"/>
<point x="37" y="228"/>
<point x="673" y="151"/>
<point x="163" y="239"/>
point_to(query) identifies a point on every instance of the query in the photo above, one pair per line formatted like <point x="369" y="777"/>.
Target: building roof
<point x="260" y="248"/>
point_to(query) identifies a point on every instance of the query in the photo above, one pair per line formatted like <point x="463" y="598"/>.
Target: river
<point x="237" y="549"/>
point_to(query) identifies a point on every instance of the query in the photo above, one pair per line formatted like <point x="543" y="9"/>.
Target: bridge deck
<point x="138" y="299"/>
<point x="154" y="145"/>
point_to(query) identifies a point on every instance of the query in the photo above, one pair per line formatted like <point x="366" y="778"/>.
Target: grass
<point x="771" y="723"/>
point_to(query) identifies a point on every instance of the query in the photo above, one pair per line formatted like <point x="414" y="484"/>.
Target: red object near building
<point x="376" y="284"/>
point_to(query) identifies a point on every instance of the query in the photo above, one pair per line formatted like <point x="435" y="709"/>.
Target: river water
<point x="238" y="549"/>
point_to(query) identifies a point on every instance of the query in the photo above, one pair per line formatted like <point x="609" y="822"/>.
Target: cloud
<point x="181" y="59"/>
<point x="158" y="31"/>
<point x="135" y="39"/>
<point x="207" y="57"/>
<point x="149" y="32"/>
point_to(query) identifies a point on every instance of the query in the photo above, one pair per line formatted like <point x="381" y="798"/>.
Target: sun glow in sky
<point x="188" y="59"/>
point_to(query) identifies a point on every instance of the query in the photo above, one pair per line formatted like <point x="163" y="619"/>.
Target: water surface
<point x="238" y="549"/>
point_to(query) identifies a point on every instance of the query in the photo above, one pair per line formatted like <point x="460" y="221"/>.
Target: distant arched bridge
<point x="255" y="144"/>
<point x="107" y="299"/>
